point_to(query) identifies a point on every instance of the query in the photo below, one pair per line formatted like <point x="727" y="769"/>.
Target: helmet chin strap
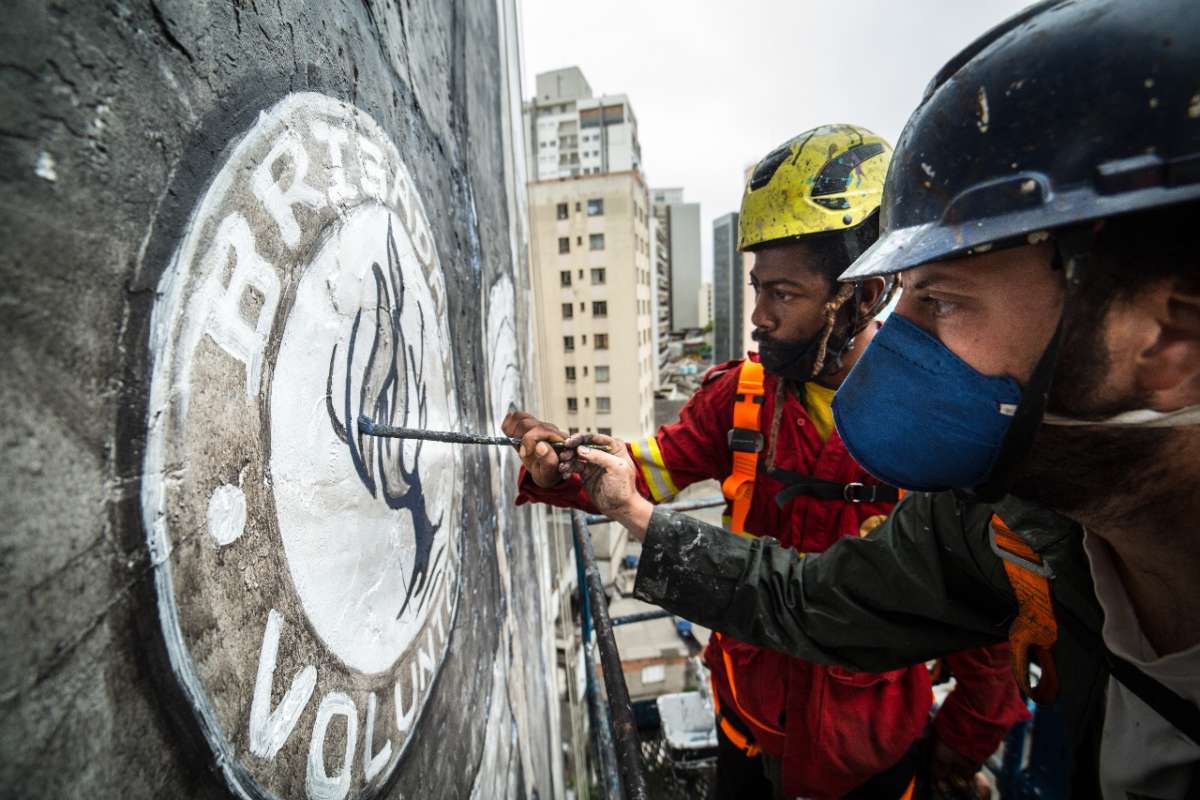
<point x="1073" y="247"/>
<point x="1138" y="418"/>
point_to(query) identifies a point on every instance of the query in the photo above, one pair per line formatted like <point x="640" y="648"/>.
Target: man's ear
<point x="1167" y="367"/>
<point x="870" y="292"/>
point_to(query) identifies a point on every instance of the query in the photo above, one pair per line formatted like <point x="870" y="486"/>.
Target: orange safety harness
<point x="740" y="739"/>
<point x="746" y="442"/>
<point x="1035" y="629"/>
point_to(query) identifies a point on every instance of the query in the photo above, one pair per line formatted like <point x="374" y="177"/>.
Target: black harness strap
<point x="1176" y="710"/>
<point x="821" y="489"/>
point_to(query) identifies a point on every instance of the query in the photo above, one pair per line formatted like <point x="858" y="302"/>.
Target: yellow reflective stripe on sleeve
<point x="648" y="455"/>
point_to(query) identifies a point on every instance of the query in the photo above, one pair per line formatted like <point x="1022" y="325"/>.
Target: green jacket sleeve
<point x="923" y="584"/>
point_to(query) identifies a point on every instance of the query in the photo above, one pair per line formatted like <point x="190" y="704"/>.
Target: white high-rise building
<point x="569" y="133"/>
<point x="591" y="249"/>
<point x="748" y="297"/>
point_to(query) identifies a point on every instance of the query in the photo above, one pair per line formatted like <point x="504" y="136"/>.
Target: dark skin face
<point x="790" y="294"/>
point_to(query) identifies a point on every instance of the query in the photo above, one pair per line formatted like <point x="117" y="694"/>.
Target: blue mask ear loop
<point x="1073" y="246"/>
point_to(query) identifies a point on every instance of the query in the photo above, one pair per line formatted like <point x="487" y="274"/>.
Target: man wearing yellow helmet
<point x="763" y="426"/>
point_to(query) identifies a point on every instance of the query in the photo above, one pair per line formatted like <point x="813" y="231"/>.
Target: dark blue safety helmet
<point x="1068" y="112"/>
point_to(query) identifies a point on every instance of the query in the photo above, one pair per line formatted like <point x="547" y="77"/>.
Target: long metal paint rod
<point x="629" y="749"/>
<point x="370" y="427"/>
<point x="604" y="750"/>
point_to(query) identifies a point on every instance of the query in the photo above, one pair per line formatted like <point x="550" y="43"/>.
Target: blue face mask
<point x="918" y="417"/>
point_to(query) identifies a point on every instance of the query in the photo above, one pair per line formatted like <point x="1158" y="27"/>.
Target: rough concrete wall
<point x="229" y="229"/>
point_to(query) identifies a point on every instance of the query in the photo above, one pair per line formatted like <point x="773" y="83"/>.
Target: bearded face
<point x="1078" y="470"/>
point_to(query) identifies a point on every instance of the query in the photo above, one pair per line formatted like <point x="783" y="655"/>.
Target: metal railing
<point x="615" y="734"/>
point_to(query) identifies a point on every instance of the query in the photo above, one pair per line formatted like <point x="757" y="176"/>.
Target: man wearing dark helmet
<point x="1041" y="211"/>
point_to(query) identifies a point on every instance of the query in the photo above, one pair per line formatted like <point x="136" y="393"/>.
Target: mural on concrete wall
<point x="232" y="228"/>
<point x="313" y="577"/>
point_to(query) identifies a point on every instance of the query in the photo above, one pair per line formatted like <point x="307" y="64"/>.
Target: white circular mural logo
<point x="307" y="575"/>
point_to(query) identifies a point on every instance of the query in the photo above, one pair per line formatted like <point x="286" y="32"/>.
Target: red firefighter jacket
<point x="831" y="728"/>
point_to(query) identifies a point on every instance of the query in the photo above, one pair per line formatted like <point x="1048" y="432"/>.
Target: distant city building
<point x="660" y="267"/>
<point x="729" y="283"/>
<point x="568" y="132"/>
<point x="596" y="276"/>
<point x="591" y="250"/>
<point x="681" y="222"/>
<point x="706" y="303"/>
<point x="748" y="342"/>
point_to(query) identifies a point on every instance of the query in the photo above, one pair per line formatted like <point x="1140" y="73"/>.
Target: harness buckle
<point x="856" y="493"/>
<point x="1036" y="568"/>
<point x="743" y="440"/>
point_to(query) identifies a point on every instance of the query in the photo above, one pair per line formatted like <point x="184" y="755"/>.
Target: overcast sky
<point x="717" y="85"/>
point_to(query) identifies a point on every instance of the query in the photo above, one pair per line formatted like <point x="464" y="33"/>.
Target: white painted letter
<point x="319" y="785"/>
<point x="370" y="163"/>
<point x="372" y="764"/>
<point x="269" y="730"/>
<point x="336" y="138"/>
<point x="279" y="201"/>
<point x="425" y="661"/>
<point x="226" y="324"/>
<point x="404" y="719"/>
<point x="402" y="198"/>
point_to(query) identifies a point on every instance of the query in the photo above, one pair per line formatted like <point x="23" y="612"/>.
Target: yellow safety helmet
<point x="826" y="179"/>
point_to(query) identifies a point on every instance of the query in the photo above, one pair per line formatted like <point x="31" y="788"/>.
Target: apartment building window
<point x="601" y="374"/>
<point x="601" y="341"/>
<point x="572" y="405"/>
<point x="585" y="370"/>
<point x="577" y="206"/>
<point x="580" y="274"/>
<point x="585" y="340"/>
<point x="579" y="241"/>
<point x="603" y="405"/>
<point x="562" y="210"/>
<point x="568" y="309"/>
<point x="572" y="431"/>
<point x="596" y="241"/>
<point x="604" y="431"/>
<point x="599" y="308"/>
<point x="596" y="207"/>
<point x="570" y="374"/>
<point x="587" y="402"/>
<point x="564" y="277"/>
<point x="564" y="244"/>
<point x="569" y="344"/>
<point x="598" y="276"/>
